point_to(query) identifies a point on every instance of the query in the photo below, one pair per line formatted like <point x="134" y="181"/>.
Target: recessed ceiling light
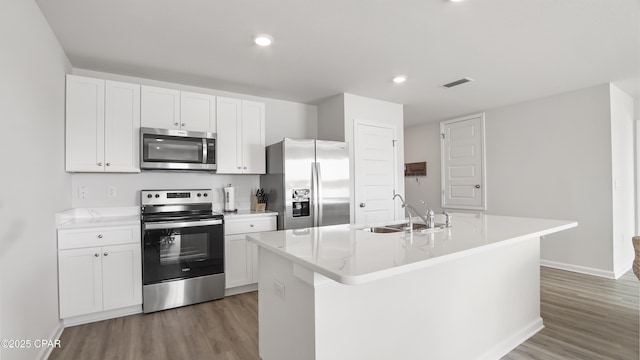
<point x="400" y="79"/>
<point x="263" y="40"/>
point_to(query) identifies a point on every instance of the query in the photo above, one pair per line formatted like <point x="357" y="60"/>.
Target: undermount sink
<point x="403" y="227"/>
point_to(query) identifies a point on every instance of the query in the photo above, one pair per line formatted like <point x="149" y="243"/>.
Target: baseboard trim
<point x="618" y="273"/>
<point x="513" y="341"/>
<point x="55" y="335"/>
<point x="241" y="289"/>
<point x="103" y="315"/>
<point x="579" y="269"/>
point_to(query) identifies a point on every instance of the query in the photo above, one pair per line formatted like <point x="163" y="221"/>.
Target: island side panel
<point x="285" y="319"/>
<point x="477" y="307"/>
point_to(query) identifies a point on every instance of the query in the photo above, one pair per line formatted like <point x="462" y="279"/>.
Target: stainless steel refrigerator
<point x="307" y="182"/>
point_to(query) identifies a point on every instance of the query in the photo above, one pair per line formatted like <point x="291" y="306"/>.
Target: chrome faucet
<point x="431" y="217"/>
<point x="409" y="208"/>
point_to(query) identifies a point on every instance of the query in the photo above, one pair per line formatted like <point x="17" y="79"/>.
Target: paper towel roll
<point x="229" y="198"/>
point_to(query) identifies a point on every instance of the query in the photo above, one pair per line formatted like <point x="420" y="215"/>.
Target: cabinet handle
<point x="96" y="254"/>
<point x="183" y="124"/>
<point x="99" y="164"/>
<point x="239" y="167"/>
<point x="251" y="225"/>
<point x="106" y="254"/>
<point x="176" y="124"/>
<point x="108" y="164"/>
<point x="99" y="236"/>
<point x="245" y="168"/>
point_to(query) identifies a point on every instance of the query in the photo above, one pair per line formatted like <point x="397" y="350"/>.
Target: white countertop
<point x="241" y="214"/>
<point x="352" y="256"/>
<point x="79" y="218"/>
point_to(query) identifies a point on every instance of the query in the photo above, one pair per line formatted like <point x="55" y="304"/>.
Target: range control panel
<point x="167" y="197"/>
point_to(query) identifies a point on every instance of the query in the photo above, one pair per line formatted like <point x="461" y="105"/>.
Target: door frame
<point x="356" y="122"/>
<point x="443" y="172"/>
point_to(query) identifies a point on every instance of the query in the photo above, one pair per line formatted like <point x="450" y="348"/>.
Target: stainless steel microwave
<point x="163" y="149"/>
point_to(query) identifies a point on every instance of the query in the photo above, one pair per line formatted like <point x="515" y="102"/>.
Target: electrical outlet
<point x="111" y="191"/>
<point x="278" y="289"/>
<point x="82" y="192"/>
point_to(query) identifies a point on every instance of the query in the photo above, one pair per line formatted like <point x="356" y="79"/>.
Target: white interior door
<point x="374" y="157"/>
<point x="462" y="161"/>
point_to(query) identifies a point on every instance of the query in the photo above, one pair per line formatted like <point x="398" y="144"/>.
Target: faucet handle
<point x="447" y="218"/>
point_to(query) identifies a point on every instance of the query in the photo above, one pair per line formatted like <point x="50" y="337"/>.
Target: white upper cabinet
<point x="102" y="125"/>
<point x="85" y="124"/>
<point x="197" y="112"/>
<point x="229" y="155"/>
<point x="122" y="127"/>
<point x="178" y="110"/>
<point x="253" y="137"/>
<point x="241" y="136"/>
<point x="160" y="108"/>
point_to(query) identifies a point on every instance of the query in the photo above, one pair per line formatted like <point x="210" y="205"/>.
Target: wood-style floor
<point x="585" y="318"/>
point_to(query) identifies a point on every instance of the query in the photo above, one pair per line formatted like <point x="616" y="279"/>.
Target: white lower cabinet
<point x="241" y="256"/>
<point x="100" y="270"/>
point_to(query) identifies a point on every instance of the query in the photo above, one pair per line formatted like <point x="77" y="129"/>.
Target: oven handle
<point x="178" y="224"/>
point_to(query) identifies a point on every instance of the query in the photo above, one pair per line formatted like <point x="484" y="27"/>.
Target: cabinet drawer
<point x="244" y="226"/>
<point x="82" y="238"/>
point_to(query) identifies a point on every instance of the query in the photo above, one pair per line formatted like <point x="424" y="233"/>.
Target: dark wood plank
<point x="585" y="317"/>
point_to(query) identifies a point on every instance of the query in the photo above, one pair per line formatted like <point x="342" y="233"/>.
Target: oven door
<point x="182" y="250"/>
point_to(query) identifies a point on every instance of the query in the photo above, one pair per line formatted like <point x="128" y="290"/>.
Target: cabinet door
<point x="160" y="108"/>
<point x="253" y="137"/>
<point x="121" y="276"/>
<point x="80" y="281"/>
<point x="237" y="258"/>
<point x="122" y="127"/>
<point x="229" y="158"/>
<point x="85" y="124"/>
<point x="197" y="112"/>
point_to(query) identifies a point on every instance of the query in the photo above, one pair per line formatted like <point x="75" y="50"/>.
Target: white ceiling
<point x="516" y="50"/>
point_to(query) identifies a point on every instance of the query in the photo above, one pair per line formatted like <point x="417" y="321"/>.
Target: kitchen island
<point x="471" y="291"/>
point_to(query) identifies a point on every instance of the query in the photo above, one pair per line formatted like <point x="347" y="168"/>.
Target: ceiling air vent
<point x="458" y="82"/>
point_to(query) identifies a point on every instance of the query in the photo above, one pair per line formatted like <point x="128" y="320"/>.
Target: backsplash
<point x="98" y="190"/>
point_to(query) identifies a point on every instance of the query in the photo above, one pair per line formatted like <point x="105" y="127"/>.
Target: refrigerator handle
<point x="319" y="194"/>
<point x="314" y="193"/>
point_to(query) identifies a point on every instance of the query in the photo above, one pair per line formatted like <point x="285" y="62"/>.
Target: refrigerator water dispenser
<point x="300" y="204"/>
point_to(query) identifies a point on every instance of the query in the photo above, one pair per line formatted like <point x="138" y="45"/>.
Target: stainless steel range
<point x="182" y="249"/>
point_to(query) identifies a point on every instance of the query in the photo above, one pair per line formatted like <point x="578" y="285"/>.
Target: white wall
<point x="34" y="184"/>
<point x="422" y="143"/>
<point x="549" y="158"/>
<point x="283" y="119"/>
<point x="128" y="187"/>
<point x="331" y="119"/>
<point x="623" y="179"/>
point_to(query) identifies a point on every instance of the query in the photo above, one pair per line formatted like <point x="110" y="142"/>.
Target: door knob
<point x="106" y="254"/>
<point x="183" y="124"/>
<point x="362" y="205"/>
<point x="477" y="186"/>
<point x="96" y="254"/>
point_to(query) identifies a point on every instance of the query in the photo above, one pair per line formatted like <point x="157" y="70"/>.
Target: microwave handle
<point x="204" y="150"/>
